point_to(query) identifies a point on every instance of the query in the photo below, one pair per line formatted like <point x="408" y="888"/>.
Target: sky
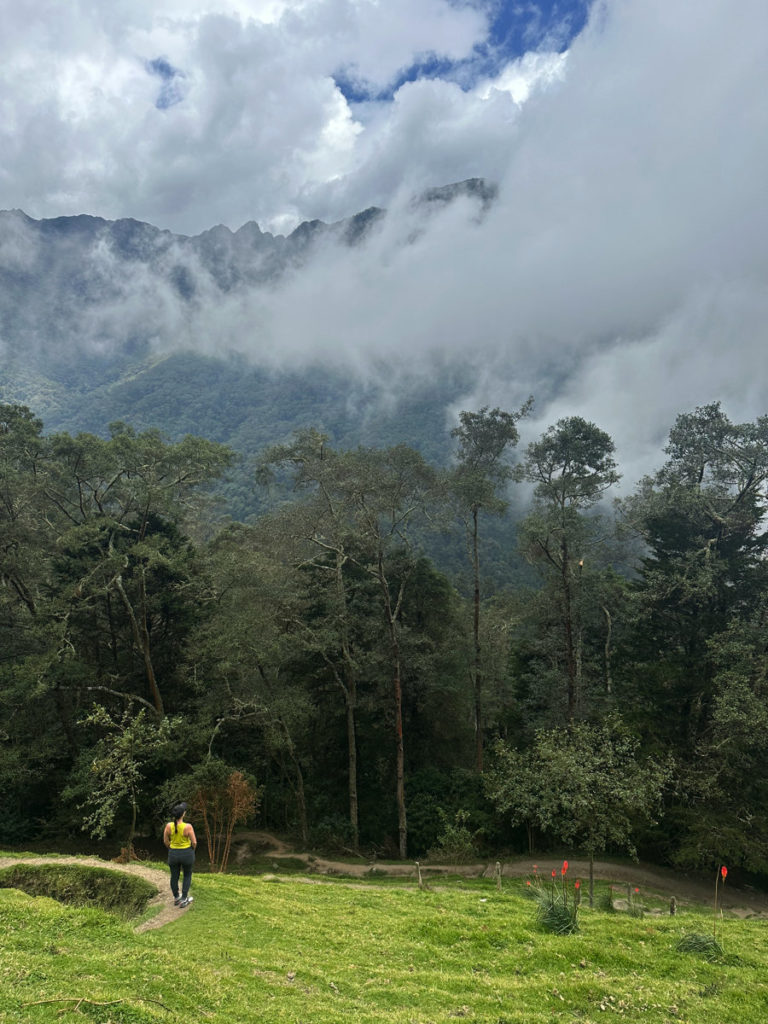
<point x="190" y="113"/>
<point x="621" y="274"/>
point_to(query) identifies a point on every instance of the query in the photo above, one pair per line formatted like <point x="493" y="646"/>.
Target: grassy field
<point x="271" y="949"/>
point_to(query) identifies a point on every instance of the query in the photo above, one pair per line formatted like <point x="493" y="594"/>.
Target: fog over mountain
<point x="617" y="269"/>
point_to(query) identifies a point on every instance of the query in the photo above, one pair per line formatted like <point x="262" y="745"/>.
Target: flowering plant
<point x="557" y="911"/>
<point x="721" y="874"/>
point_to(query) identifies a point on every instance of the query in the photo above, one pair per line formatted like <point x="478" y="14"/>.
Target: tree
<point x="119" y="505"/>
<point x="728" y="779"/>
<point x="363" y="503"/>
<point x="36" y="732"/>
<point x="701" y="518"/>
<point x="583" y="785"/>
<point x="23" y="540"/>
<point x="484" y="439"/>
<point x="116" y="772"/>
<point x="322" y="523"/>
<point x="696" y="652"/>
<point x="387" y="490"/>
<point x="571" y="466"/>
<point x="246" y="651"/>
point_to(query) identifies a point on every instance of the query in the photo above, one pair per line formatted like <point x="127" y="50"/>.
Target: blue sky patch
<point x="172" y="89"/>
<point x="515" y="29"/>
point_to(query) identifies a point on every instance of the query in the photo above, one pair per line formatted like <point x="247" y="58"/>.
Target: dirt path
<point x="651" y="880"/>
<point x="163" y="901"/>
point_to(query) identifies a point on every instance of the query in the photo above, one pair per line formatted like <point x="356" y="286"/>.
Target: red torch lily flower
<point x="724" y="872"/>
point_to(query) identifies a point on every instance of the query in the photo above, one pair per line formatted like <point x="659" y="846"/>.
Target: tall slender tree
<point x="477" y="482"/>
<point x="119" y="505"/>
<point x="365" y="502"/>
<point x="571" y="466"/>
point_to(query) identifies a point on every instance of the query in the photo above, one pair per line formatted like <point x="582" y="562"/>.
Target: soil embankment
<point x="163" y="901"/>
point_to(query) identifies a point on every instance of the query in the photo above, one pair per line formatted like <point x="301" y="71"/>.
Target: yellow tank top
<point x="178" y="840"/>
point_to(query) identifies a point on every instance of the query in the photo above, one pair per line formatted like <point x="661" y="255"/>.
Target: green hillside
<point x="276" y="949"/>
<point x="234" y="403"/>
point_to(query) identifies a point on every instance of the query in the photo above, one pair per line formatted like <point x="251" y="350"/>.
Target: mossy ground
<point x="305" y="953"/>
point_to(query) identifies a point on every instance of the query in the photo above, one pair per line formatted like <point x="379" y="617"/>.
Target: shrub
<point x="455" y="843"/>
<point x="221" y="797"/>
<point x="555" y="916"/>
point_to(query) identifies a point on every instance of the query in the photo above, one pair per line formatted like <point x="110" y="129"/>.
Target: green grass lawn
<point x="254" y="950"/>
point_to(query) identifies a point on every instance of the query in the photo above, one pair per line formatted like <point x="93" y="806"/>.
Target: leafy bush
<point x="455" y="843"/>
<point x="332" y="835"/>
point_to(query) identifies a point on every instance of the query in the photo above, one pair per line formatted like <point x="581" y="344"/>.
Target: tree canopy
<point x="332" y="653"/>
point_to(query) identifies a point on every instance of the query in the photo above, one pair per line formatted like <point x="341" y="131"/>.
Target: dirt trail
<point x="650" y="880"/>
<point x="658" y="881"/>
<point x="163" y="900"/>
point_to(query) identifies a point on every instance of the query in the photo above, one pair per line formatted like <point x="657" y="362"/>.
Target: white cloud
<point x="260" y="123"/>
<point x="621" y="273"/>
<point x="521" y="77"/>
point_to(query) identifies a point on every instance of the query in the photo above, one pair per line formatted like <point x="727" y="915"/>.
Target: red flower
<point x="535" y="868"/>
<point x="553" y="872"/>
<point x="564" y="867"/>
<point x="636" y="889"/>
<point x="724" y="872"/>
<point x="577" y="884"/>
<point x="527" y="883"/>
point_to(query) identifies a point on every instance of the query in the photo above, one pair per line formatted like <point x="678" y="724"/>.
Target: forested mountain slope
<point x="100" y="321"/>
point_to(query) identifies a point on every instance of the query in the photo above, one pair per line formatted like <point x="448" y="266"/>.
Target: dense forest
<point x="378" y="697"/>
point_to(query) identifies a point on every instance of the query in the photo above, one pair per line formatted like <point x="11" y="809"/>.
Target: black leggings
<point x="178" y="861"/>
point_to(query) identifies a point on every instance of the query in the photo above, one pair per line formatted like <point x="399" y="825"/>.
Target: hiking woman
<point x="180" y="838"/>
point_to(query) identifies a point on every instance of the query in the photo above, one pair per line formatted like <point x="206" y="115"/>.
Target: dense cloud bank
<point x="619" y="274"/>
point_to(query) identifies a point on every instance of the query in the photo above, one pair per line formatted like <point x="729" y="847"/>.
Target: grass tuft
<point x="604" y="900"/>
<point x="706" y="945"/>
<point x="554" y="914"/>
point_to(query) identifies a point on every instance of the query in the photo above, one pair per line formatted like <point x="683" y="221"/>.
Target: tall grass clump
<point x="558" y="907"/>
<point x="705" y="945"/>
<point x="709" y="946"/>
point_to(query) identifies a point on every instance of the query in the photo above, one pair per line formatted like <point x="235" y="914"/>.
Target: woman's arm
<point x="190" y="833"/>
<point x="167" y="836"/>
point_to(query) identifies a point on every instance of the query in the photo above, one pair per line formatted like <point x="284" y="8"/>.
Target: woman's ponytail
<point x="178" y="813"/>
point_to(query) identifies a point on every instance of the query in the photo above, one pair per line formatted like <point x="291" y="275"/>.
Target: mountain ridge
<point x="95" y="319"/>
